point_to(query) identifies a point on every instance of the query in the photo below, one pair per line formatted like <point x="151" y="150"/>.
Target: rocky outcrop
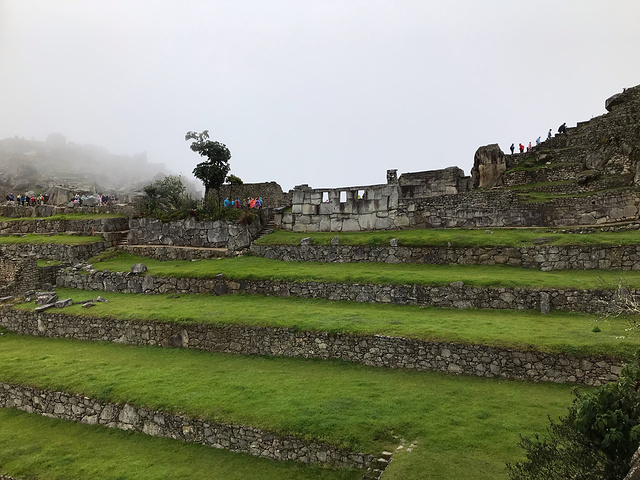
<point x="489" y="164"/>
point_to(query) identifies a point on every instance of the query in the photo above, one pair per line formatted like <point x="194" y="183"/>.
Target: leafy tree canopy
<point x="213" y="171"/>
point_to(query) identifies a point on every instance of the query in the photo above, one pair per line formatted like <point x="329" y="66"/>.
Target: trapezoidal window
<point x="360" y="194"/>
<point x="343" y="197"/>
<point x="325" y="197"/>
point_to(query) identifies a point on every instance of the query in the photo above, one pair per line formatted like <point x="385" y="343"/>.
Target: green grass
<point x="48" y="263"/>
<point x="50" y="449"/>
<point x="530" y="165"/>
<point x="461" y="424"/>
<point x="541" y="197"/>
<point x="33" y="238"/>
<point x="258" y="268"/>
<point x="68" y="216"/>
<point x="525" y="330"/>
<point x="457" y="237"/>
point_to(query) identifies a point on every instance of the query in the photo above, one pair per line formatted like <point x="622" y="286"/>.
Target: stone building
<point x="588" y="176"/>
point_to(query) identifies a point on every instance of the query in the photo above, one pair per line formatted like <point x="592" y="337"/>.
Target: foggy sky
<point x="330" y="93"/>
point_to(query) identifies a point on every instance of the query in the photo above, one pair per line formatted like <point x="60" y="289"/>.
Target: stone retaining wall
<point x="11" y="210"/>
<point x="17" y="275"/>
<point x="455" y="295"/>
<point x="44" y="226"/>
<point x="237" y="438"/>
<point x="543" y="257"/>
<point x="51" y="251"/>
<point x="164" y="253"/>
<point x="377" y="350"/>
<point x="193" y="233"/>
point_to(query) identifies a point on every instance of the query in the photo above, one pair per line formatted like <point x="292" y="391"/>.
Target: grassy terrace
<point x="33" y="238"/>
<point x="48" y="449"/>
<point x="457" y="237"/>
<point x="556" y="332"/>
<point x="68" y="216"/>
<point x="461" y="424"/>
<point x="258" y="268"/>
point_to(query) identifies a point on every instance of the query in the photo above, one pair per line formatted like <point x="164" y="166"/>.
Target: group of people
<point x="562" y="129"/>
<point x="28" y="200"/>
<point x="100" y="199"/>
<point x="251" y="203"/>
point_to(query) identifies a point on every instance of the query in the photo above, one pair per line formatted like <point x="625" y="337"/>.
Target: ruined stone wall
<point x="542" y="257"/>
<point x="17" y="275"/>
<point x="343" y="209"/>
<point x="377" y="350"/>
<point x="42" y="226"/>
<point x="455" y="295"/>
<point x="193" y="233"/>
<point x="11" y="210"/>
<point x="271" y="193"/>
<point x="157" y="423"/>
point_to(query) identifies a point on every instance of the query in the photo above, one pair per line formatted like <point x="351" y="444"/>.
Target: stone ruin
<point x="588" y="176"/>
<point x="17" y="274"/>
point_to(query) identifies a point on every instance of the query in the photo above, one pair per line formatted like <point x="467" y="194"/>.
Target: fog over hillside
<point x="39" y="166"/>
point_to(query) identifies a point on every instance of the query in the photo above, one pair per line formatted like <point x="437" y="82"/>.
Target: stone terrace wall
<point x="543" y="257"/>
<point x="17" y="275"/>
<point x="12" y="210"/>
<point x="455" y="295"/>
<point x="82" y="227"/>
<point x="192" y="233"/>
<point x="378" y="350"/>
<point x="474" y="209"/>
<point x="237" y="438"/>
<point x="51" y="251"/>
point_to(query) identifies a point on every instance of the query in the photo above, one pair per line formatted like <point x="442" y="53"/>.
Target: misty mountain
<point x="31" y="165"/>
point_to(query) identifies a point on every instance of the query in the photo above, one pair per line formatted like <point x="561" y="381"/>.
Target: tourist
<point x="549" y="135"/>
<point x="252" y="202"/>
<point x="537" y="141"/>
<point x="512" y="148"/>
<point x="521" y="147"/>
<point x="227" y="202"/>
<point x="562" y="128"/>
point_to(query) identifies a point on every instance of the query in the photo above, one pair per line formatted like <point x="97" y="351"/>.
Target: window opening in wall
<point x="360" y="194"/>
<point x="325" y="197"/>
<point x="343" y="197"/>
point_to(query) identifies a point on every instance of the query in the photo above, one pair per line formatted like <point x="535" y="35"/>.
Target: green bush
<point x="595" y="441"/>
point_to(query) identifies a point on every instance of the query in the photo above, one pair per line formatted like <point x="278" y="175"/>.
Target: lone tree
<point x="212" y="172"/>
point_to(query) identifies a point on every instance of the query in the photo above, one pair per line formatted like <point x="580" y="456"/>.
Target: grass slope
<point x="555" y="332"/>
<point x="49" y="449"/>
<point x="258" y="268"/>
<point x="458" y="237"/>
<point x="33" y="238"/>
<point x="461" y="424"/>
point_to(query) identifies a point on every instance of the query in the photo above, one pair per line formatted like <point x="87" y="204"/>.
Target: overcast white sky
<point x="330" y="93"/>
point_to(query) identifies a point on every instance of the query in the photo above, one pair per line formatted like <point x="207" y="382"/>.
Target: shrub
<point x="595" y="441"/>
